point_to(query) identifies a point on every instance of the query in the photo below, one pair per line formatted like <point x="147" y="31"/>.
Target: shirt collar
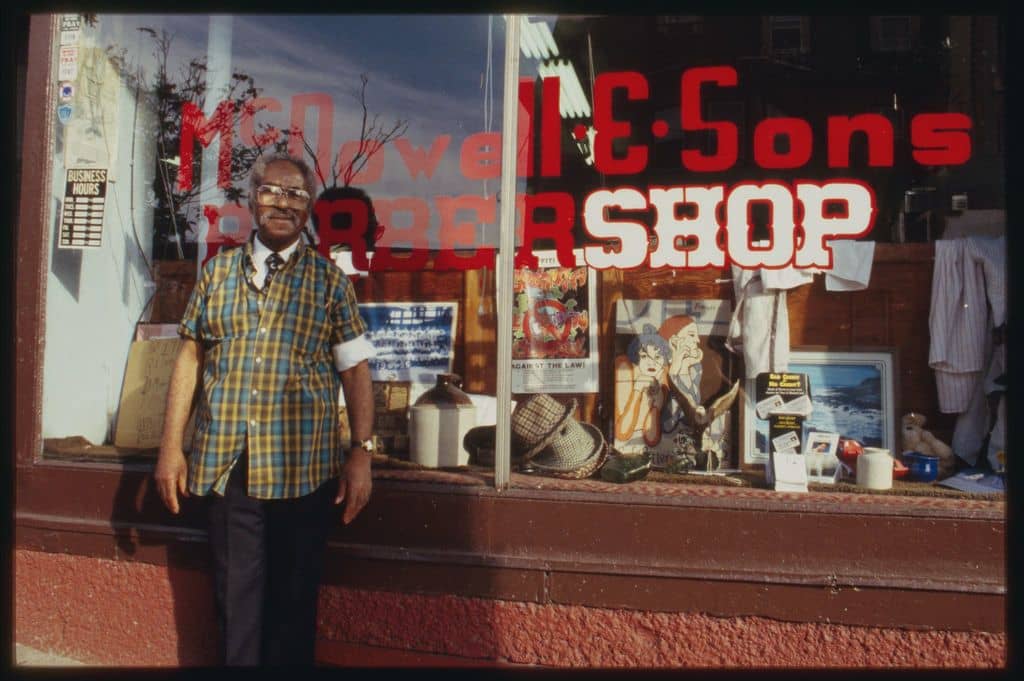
<point x="260" y="251"/>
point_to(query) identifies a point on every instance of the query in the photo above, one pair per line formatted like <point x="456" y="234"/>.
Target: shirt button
<point x="255" y="392"/>
<point x="259" y="359"/>
<point x="263" y="330"/>
<point x="252" y="423"/>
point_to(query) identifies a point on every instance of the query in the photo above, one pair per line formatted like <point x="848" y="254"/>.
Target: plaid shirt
<point x="269" y="381"/>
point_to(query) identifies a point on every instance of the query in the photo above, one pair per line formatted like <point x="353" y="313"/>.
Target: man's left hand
<point x="355" y="484"/>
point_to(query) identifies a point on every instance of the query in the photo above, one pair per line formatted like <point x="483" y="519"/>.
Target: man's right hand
<point x="171" y="475"/>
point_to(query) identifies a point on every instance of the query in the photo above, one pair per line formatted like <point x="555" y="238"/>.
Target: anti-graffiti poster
<point x="554" y="328"/>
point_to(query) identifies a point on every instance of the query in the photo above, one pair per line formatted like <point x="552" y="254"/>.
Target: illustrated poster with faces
<point x="682" y="341"/>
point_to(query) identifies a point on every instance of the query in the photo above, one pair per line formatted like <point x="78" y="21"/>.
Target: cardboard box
<point x="140" y="416"/>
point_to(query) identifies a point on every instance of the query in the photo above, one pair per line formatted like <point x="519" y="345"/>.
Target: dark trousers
<point x="267" y="557"/>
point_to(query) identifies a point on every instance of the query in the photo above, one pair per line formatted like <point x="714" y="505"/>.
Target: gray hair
<point x="259" y="168"/>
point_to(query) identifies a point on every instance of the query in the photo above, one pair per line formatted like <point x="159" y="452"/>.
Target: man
<point x="271" y="330"/>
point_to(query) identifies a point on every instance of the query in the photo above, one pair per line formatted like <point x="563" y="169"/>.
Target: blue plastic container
<point x="923" y="467"/>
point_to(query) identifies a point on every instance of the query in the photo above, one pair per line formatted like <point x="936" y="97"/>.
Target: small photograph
<point x="820" y="442"/>
<point x="820" y="457"/>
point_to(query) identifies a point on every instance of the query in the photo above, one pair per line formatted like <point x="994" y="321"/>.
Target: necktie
<point x="274" y="262"/>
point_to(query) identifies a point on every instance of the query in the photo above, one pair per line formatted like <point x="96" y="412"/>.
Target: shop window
<point x="634" y="192"/>
<point x="159" y="122"/>
<point x="673" y="125"/>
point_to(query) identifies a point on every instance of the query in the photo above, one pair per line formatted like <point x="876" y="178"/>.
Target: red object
<point x="848" y="452"/>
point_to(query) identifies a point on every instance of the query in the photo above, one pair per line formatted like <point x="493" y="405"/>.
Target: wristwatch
<point x="366" y="445"/>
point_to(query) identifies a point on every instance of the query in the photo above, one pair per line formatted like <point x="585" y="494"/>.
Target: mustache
<point x="281" y="213"/>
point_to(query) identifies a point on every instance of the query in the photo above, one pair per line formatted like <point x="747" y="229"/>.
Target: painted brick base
<point x="118" y="613"/>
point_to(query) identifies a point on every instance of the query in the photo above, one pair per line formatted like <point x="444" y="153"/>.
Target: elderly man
<point x="271" y="330"/>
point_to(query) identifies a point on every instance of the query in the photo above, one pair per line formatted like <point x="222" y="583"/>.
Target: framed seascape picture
<point x="853" y="393"/>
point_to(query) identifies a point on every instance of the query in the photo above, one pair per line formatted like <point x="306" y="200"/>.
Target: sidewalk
<point x="30" y="657"/>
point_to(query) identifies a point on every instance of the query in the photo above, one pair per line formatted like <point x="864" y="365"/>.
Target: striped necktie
<point x="274" y="262"/>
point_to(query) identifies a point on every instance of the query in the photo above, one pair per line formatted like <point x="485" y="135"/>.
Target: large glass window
<point x="659" y="162"/>
<point x="678" y="159"/>
<point x="159" y="122"/>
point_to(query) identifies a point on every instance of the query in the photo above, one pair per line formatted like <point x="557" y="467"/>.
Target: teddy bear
<point x="917" y="439"/>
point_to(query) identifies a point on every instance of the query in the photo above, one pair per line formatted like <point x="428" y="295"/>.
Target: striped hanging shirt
<point x="269" y="378"/>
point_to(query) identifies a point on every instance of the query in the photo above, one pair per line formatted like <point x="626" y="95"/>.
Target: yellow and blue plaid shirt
<point x="269" y="378"/>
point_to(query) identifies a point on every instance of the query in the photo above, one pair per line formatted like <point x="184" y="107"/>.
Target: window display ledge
<point x="737" y="491"/>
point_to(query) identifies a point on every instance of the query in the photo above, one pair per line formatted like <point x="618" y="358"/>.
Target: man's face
<point x="279" y="218"/>
<point x="686" y="342"/>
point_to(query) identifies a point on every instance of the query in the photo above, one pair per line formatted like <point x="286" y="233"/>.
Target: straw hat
<point x="545" y="434"/>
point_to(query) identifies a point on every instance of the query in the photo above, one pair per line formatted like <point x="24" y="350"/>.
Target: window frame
<point x="92" y="508"/>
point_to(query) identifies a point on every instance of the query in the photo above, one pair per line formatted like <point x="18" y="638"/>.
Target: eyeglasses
<point x="270" y="193"/>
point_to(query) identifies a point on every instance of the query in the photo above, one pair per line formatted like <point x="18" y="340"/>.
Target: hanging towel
<point x="851" y="265"/>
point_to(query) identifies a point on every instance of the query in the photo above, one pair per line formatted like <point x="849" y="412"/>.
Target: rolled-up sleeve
<point x="351" y="353"/>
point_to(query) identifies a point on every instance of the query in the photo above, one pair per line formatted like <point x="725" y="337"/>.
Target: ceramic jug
<point x="438" y="423"/>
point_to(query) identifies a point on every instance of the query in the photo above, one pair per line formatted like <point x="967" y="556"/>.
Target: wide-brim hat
<point x="576" y="453"/>
<point x="545" y="434"/>
<point x="536" y="423"/>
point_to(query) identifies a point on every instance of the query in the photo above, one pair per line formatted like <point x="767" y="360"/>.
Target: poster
<point x="81" y="219"/>
<point x="554" y="327"/>
<point x="414" y="342"/>
<point x="668" y="351"/>
<point x="68" y="62"/>
<point x="70" y="29"/>
<point x="92" y="132"/>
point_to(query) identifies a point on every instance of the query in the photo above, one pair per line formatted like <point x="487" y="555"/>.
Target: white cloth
<point x="759" y="328"/>
<point x="346" y="354"/>
<point x="851" y="265"/>
<point x="967" y="273"/>
<point x="968" y="301"/>
<point x="851" y="269"/>
<point x="785" y="278"/>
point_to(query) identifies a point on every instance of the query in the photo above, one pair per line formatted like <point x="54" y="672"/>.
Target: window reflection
<point x="403" y="110"/>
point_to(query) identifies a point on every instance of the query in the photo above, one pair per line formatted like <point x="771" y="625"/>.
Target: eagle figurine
<point x="700" y="416"/>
